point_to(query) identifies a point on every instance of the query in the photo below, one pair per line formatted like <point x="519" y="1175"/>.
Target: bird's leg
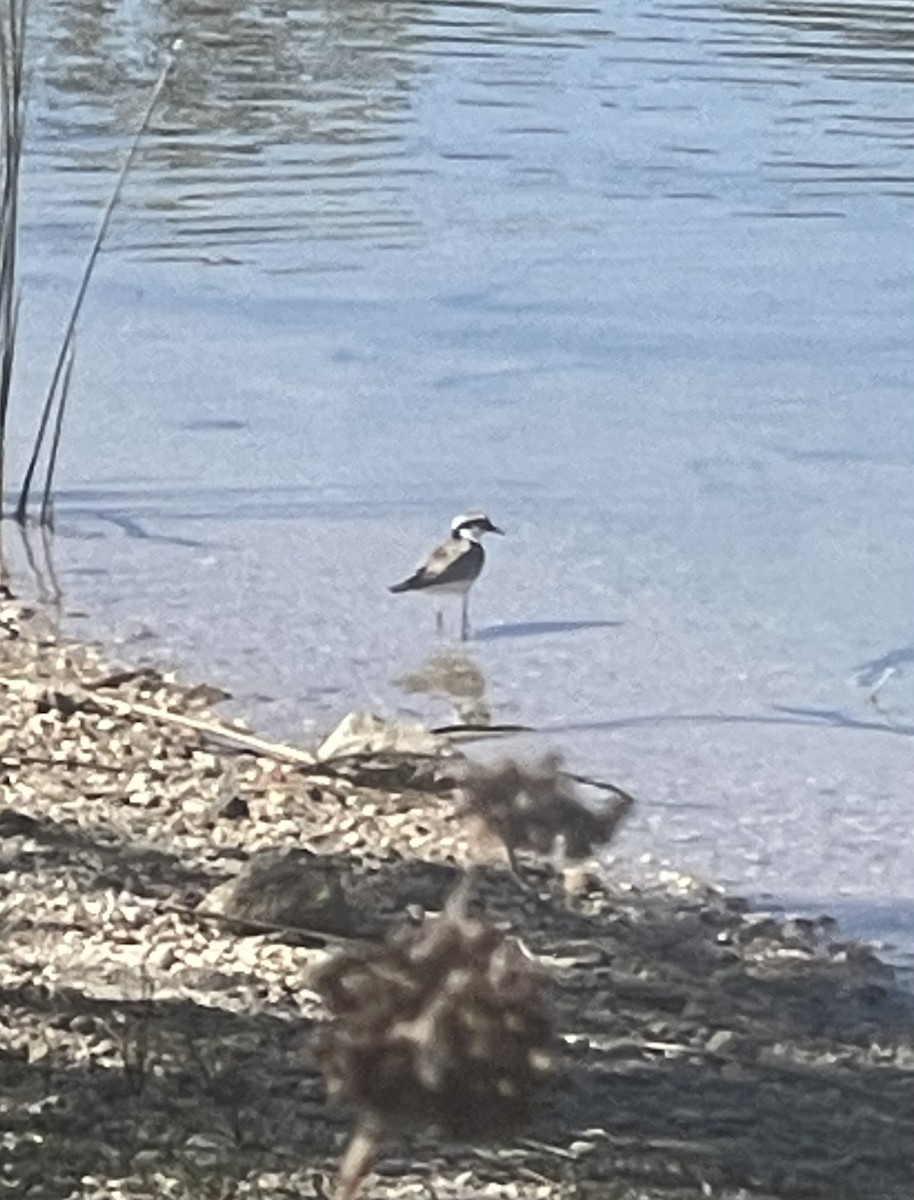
<point x="439" y="620"/>
<point x="465" y="617"/>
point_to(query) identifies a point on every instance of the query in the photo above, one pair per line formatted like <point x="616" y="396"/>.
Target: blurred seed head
<point x="443" y="1026"/>
<point x="537" y="808"/>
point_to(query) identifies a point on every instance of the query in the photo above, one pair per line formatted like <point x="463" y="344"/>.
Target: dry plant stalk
<point x="58" y="390"/>
<point x="12" y="132"/>
<point x="538" y="808"/>
<point x="444" y="1026"/>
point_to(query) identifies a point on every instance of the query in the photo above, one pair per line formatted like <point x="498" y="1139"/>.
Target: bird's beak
<point x="495" y="529"/>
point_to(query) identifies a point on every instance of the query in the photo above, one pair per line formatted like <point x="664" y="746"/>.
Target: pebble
<point x="721" y="1041"/>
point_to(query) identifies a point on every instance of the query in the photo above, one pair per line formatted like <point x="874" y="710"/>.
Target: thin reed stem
<point x="12" y="123"/>
<point x="56" y="394"/>
<point x="47" y="501"/>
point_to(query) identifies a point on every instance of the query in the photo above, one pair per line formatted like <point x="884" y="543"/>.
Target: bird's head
<point x="472" y="526"/>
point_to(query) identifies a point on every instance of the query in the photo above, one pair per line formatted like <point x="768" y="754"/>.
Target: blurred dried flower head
<point x="539" y="809"/>
<point x="444" y="1026"/>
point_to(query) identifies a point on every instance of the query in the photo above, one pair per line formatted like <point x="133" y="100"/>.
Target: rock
<point x="234" y="809"/>
<point x="18" y="824"/>
<point x="364" y="733"/>
<point x="291" y="888"/>
<point x="721" y="1041"/>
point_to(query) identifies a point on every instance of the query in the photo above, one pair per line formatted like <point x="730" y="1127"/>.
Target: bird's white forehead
<point x="470" y="518"/>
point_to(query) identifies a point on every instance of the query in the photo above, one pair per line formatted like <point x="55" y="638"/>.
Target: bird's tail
<point x="403" y="586"/>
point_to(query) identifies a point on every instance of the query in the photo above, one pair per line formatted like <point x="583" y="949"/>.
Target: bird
<point x="877" y="673"/>
<point x="454" y="566"/>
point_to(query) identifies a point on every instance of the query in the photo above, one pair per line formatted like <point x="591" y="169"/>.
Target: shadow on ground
<point x="781" y="715"/>
<point x="522" y="629"/>
<point x="700" y="1049"/>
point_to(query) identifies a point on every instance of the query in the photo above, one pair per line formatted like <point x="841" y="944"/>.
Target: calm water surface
<point x="638" y="278"/>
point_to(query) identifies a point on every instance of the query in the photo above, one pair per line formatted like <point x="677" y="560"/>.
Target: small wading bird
<point x="453" y="567"/>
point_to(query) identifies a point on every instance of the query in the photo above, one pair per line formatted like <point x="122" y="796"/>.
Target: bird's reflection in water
<point x="454" y="677"/>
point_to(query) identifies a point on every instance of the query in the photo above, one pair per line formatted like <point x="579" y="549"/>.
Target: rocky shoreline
<point x="170" y="882"/>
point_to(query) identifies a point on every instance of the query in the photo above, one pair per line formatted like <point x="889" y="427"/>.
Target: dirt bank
<point x="147" y="1049"/>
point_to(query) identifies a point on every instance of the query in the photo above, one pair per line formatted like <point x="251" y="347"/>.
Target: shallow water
<point x="636" y="278"/>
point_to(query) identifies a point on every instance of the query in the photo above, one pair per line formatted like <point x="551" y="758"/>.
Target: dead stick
<point x="265" y="927"/>
<point x="474" y="732"/>
<point x="216" y="729"/>
<point x="247" y="741"/>
<point x="165" y="716"/>
<point x="250" y="741"/>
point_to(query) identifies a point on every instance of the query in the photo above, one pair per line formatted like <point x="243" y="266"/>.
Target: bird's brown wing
<point x="451" y="562"/>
